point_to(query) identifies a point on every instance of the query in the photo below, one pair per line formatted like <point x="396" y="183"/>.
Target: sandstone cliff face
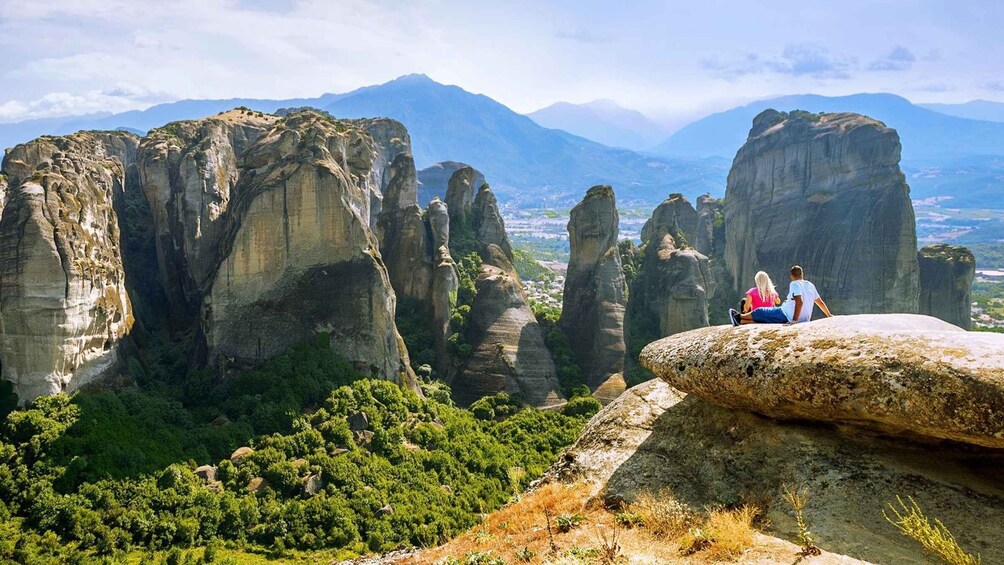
<point x="63" y="301"/>
<point x="434" y="180"/>
<point x="444" y="281"/>
<point x="489" y="229"/>
<point x="826" y="192"/>
<point x="592" y="315"/>
<point x="946" y="283"/>
<point x="390" y="140"/>
<point x="710" y="237"/>
<point x="297" y="255"/>
<point x="188" y="170"/>
<point x="509" y="350"/>
<point x="404" y="242"/>
<point x="460" y="204"/>
<point x="677" y="216"/>
<point x="674" y="284"/>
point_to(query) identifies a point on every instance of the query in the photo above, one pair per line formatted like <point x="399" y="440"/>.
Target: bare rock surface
<point x="673" y="286"/>
<point x="489" y="229"/>
<point x="656" y="439"/>
<point x="895" y="373"/>
<point x="187" y="170"/>
<point x="404" y="242"/>
<point x="64" y="308"/>
<point x="595" y="297"/>
<point x="946" y="283"/>
<point x="677" y="216"/>
<point x="509" y="352"/>
<point x="434" y="180"/>
<point x="824" y="191"/>
<point x="297" y="255"/>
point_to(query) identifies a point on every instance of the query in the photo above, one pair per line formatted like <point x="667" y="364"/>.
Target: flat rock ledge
<point x="896" y="373"/>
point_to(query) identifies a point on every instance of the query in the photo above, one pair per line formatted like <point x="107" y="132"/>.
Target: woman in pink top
<point x="763" y="295"/>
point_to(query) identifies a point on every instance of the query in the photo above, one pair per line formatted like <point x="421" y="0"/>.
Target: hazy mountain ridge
<point x="986" y="110"/>
<point x="925" y="134"/>
<point x="603" y="121"/>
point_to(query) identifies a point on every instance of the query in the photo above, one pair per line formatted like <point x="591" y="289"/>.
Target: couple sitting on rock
<point x="762" y="304"/>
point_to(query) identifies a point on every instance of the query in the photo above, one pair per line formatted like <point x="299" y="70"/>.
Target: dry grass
<point x="671" y="532"/>
<point x="663" y="515"/>
<point x="933" y="537"/>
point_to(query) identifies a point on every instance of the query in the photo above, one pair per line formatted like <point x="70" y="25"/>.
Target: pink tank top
<point x="756" y="301"/>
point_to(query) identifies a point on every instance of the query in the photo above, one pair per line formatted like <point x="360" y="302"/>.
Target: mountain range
<point x="553" y="155"/>
<point x="925" y="134"/>
<point x="603" y="121"/>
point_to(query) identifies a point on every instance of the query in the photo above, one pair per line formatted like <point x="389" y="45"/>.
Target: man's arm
<point x="822" y="306"/>
<point x="798" y="308"/>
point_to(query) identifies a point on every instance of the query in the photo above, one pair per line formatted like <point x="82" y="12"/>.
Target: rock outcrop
<point x="509" y="352"/>
<point x="64" y="308"/>
<point x="824" y="191"/>
<point x="489" y="229"/>
<point x="390" y="140"/>
<point x="444" y="281"/>
<point x="670" y="293"/>
<point x="946" y="283"/>
<point x="188" y="170"/>
<point x="592" y="315"/>
<point x="677" y="216"/>
<point x="404" y="243"/>
<point x="657" y="440"/>
<point x="434" y="180"/>
<point x="898" y="374"/>
<point x="710" y="237"/>
<point x="460" y="204"/>
<point x="297" y="256"/>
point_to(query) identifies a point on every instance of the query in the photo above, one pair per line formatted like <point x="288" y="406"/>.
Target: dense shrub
<point x="105" y="473"/>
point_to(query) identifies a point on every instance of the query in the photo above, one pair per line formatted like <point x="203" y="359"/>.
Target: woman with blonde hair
<point x="763" y="295"/>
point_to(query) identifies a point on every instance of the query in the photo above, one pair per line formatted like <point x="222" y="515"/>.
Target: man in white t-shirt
<point x="802" y="295"/>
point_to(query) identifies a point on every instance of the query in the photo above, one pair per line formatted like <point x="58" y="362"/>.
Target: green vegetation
<point x="933" y="537"/>
<point x="468" y="270"/>
<point x="106" y="474"/>
<point x="569" y="372"/>
<point x="412" y="319"/>
<point x="529" y="269"/>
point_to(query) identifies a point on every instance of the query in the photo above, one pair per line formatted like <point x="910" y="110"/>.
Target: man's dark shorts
<point x="773" y="315"/>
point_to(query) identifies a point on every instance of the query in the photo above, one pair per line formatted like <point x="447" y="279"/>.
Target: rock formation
<point x="188" y="170"/>
<point x="460" y="204"/>
<point x="946" y="283"/>
<point x="390" y="140"/>
<point x="509" y="352"/>
<point x="678" y="217"/>
<point x="592" y="315"/>
<point x="489" y="229"/>
<point x="710" y="237"/>
<point x="657" y="440"/>
<point x="444" y="281"/>
<point x="434" y="180"/>
<point x="63" y="301"/>
<point x="826" y="192"/>
<point x="899" y="374"/>
<point x="674" y="283"/>
<point x="401" y="230"/>
<point x="296" y="254"/>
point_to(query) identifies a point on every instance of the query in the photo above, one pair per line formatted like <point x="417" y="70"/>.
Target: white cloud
<point x="58" y="104"/>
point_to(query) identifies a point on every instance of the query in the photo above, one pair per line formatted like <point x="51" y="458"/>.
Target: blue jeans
<point x="773" y="315"/>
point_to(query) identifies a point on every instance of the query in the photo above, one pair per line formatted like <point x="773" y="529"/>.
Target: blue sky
<point x="672" y="60"/>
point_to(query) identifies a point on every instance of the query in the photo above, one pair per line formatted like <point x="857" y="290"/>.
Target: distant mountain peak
<point x="413" y="78"/>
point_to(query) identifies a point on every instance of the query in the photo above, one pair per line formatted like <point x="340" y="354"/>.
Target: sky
<point x="671" y="60"/>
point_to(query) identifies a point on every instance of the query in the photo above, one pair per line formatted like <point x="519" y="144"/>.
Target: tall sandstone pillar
<point x="946" y="283"/>
<point x="595" y="295"/>
<point x="824" y="191"/>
